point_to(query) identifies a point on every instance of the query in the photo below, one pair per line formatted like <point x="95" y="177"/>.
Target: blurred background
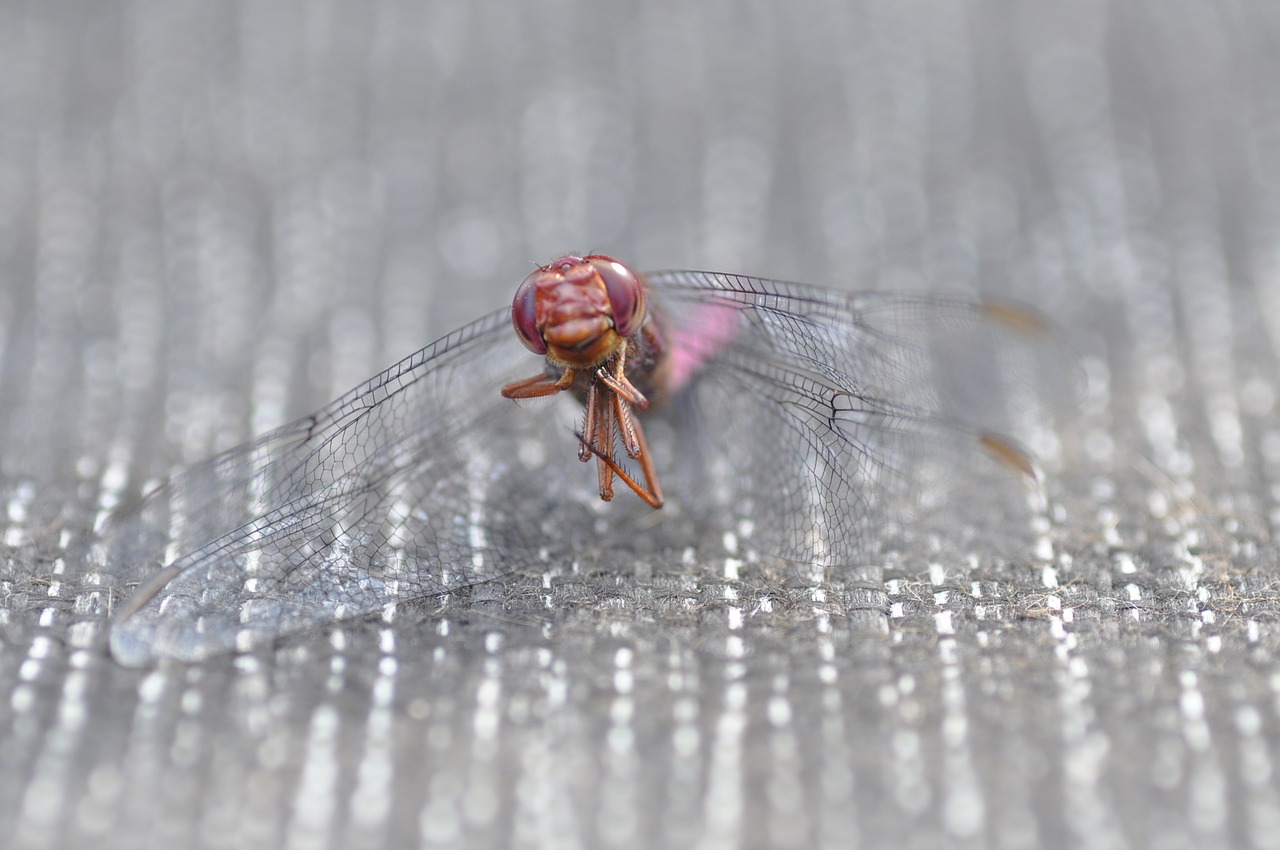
<point x="216" y="216"/>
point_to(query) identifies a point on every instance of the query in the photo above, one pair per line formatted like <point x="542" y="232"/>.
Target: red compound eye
<point x="524" y="314"/>
<point x="626" y="293"/>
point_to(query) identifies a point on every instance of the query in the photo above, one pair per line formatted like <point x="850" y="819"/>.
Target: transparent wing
<point x="814" y="417"/>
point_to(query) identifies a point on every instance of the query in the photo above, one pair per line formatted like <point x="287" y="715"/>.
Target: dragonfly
<point x="588" y="317"/>
<point x="805" y="417"/>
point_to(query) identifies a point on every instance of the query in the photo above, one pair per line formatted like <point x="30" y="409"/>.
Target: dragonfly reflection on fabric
<point x="720" y="399"/>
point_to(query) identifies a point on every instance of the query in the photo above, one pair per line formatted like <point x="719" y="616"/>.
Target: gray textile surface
<point x="217" y="216"/>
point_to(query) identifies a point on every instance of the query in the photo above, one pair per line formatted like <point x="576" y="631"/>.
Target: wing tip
<point x="1016" y="317"/>
<point x="1009" y="453"/>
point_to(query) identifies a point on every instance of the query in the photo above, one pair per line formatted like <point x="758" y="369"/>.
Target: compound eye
<point x="524" y="315"/>
<point x="626" y="294"/>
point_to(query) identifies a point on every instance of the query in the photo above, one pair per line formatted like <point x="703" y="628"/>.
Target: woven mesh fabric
<point x="217" y="217"/>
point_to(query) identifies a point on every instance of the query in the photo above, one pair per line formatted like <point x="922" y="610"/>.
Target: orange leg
<point x="539" y="386"/>
<point x="626" y="427"/>
<point x="617" y="381"/>
<point x="590" y="423"/>
<point x="600" y="437"/>
<point x="607" y="419"/>
<point x="651" y="490"/>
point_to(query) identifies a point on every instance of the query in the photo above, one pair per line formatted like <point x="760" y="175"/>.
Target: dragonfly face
<point x="578" y="311"/>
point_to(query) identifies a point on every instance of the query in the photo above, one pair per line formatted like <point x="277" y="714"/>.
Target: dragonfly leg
<point x="626" y="427"/>
<point x="618" y="381"/>
<point x="539" y="386"/>
<point x="653" y="493"/>
<point x="601" y="439"/>
<point x="651" y="490"/>
<point x="591" y="423"/>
